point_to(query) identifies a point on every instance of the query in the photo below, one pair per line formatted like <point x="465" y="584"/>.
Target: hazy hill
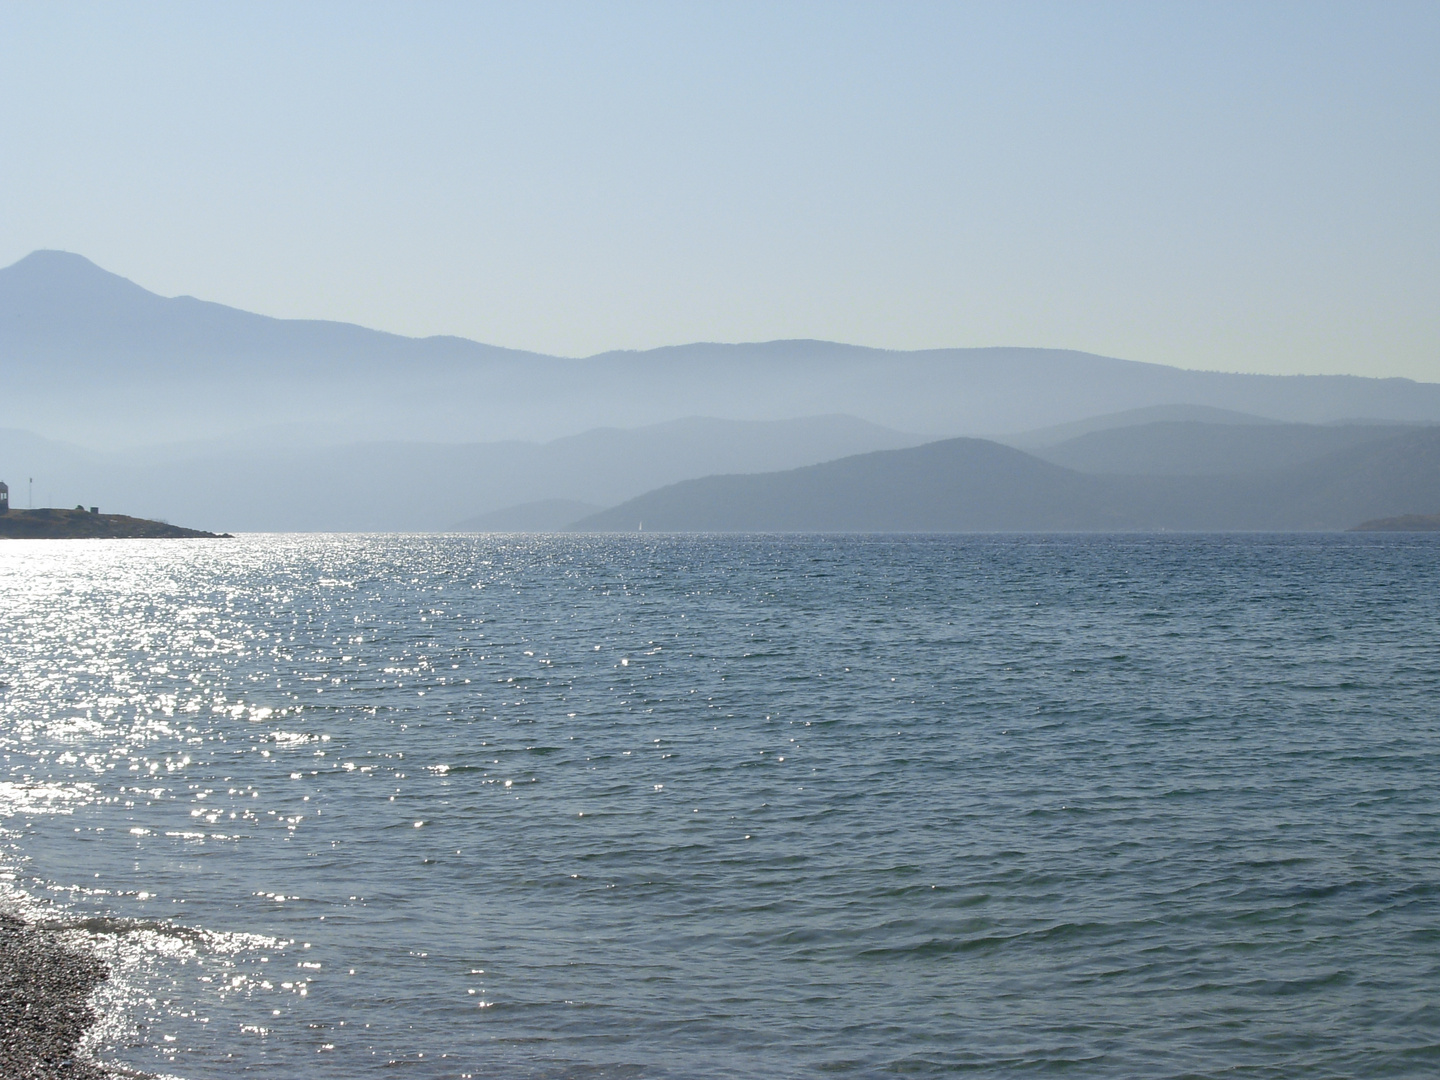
<point x="1151" y="414"/>
<point x="1404" y="523"/>
<point x="956" y="485"/>
<point x="287" y="486"/>
<point x="965" y="485"/>
<point x="1188" y="447"/>
<point x="1378" y="479"/>
<point x="96" y="360"/>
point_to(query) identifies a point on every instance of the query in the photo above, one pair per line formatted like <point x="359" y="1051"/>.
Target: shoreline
<point x="45" y="986"/>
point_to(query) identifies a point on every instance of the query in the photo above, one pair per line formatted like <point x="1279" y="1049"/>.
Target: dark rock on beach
<point x="53" y="524"/>
<point x="43" y="1012"/>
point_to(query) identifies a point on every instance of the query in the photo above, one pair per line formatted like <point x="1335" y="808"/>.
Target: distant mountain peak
<point x="50" y="261"/>
<point x="54" y="256"/>
<point x="48" y="273"/>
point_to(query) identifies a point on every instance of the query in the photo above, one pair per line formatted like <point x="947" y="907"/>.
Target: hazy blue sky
<point x="1244" y="187"/>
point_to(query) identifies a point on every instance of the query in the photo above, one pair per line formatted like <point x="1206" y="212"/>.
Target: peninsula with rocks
<point x="54" y="524"/>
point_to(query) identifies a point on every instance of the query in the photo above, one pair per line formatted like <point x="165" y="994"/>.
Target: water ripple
<point x="722" y="807"/>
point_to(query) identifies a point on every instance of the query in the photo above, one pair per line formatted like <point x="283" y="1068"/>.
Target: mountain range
<point x="94" y="359"/>
<point x="184" y="409"/>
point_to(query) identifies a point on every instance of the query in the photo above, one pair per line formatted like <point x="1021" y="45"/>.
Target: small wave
<point x="116" y="926"/>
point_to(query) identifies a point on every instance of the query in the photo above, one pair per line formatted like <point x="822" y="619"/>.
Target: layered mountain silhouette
<point x="289" y="485"/>
<point x="189" y="410"/>
<point x="975" y="485"/>
<point x="96" y="360"/>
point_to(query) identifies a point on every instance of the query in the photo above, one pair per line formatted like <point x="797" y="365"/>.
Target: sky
<point x="1239" y="187"/>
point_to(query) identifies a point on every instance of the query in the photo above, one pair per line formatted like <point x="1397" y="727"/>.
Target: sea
<point x="702" y="806"/>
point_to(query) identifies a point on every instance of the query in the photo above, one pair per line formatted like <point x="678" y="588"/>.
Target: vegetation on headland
<point x="54" y="524"/>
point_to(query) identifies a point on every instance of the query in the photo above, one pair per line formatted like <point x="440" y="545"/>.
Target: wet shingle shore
<point x="43" y="1011"/>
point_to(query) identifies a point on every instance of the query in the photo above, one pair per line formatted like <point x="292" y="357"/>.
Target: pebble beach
<point x="44" y="985"/>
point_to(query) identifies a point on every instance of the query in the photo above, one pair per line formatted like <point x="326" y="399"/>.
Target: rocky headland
<point x="55" y="524"/>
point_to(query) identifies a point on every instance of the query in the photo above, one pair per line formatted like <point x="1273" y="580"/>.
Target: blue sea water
<point x="765" y="806"/>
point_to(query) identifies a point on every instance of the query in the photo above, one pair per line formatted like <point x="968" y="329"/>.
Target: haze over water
<point x="664" y="806"/>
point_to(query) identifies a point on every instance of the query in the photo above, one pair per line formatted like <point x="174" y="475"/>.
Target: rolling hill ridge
<point x="973" y="485"/>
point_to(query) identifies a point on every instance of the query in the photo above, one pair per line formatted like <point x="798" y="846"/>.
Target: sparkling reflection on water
<point x="735" y="806"/>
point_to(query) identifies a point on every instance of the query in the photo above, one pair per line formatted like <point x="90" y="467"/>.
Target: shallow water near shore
<point x="665" y="806"/>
